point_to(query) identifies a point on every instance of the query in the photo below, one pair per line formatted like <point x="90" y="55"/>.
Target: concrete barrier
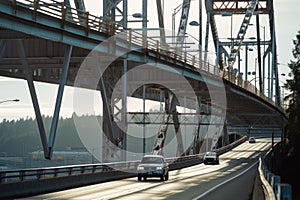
<point x="274" y="182"/>
<point x="269" y="177"/>
<point x="284" y="191"/>
<point x="271" y="183"/>
<point x="267" y="188"/>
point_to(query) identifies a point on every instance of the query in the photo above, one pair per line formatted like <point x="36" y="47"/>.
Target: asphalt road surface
<point x="232" y="179"/>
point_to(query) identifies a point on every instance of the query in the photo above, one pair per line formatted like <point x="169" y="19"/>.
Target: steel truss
<point x="226" y="60"/>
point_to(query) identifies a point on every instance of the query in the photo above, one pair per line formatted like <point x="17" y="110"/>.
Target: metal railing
<point x="90" y="22"/>
<point x="62" y="171"/>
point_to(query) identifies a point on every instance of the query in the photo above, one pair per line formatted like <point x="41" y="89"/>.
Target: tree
<point x="289" y="164"/>
<point x="293" y="111"/>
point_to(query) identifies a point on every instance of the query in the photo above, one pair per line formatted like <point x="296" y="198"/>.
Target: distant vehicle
<point x="252" y="140"/>
<point x="153" y="166"/>
<point x="211" y="157"/>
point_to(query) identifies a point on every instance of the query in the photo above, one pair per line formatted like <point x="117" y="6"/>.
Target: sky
<point x="287" y="25"/>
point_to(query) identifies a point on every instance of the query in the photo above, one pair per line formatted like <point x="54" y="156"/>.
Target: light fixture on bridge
<point x="194" y="23"/>
<point x="10" y="100"/>
<point x="137" y="15"/>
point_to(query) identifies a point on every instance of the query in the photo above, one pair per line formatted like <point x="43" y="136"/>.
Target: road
<point x="232" y="179"/>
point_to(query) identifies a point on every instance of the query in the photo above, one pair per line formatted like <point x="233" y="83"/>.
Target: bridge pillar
<point x="173" y="111"/>
<point x="225" y="134"/>
<point x="195" y="147"/>
<point x="47" y="144"/>
<point x="58" y="102"/>
<point x="114" y="116"/>
<point x="38" y="115"/>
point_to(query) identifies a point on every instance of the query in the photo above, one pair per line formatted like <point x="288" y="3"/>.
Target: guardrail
<point x="24" y="182"/>
<point x="54" y="172"/>
<point x="71" y="170"/>
<point x="272" y="186"/>
<point x="90" y="22"/>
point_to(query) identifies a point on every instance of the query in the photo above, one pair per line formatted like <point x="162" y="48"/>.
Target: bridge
<point x="53" y="42"/>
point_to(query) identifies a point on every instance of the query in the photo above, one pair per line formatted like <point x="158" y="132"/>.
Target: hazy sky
<point x="287" y="24"/>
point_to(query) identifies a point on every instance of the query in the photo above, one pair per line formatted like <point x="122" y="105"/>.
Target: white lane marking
<point x="215" y="187"/>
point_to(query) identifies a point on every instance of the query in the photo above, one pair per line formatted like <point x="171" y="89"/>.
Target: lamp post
<point x="199" y="24"/>
<point x="194" y="23"/>
<point x="246" y="62"/>
<point x="264" y="70"/>
<point x="264" y="39"/>
<point x="10" y="100"/>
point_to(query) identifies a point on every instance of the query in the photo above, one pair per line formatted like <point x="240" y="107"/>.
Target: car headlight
<point x="159" y="168"/>
<point x="140" y="168"/>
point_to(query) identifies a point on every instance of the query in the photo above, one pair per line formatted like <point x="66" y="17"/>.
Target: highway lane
<point x="196" y="182"/>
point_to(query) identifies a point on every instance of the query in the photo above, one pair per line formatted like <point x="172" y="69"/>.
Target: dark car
<point x="153" y="166"/>
<point x="252" y="140"/>
<point x="211" y="157"/>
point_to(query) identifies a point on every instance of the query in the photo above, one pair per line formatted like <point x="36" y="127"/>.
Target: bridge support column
<point x="144" y="119"/>
<point x="173" y="111"/>
<point x="114" y="116"/>
<point x="29" y="78"/>
<point x="60" y="92"/>
<point x="195" y="147"/>
<point x="47" y="144"/>
<point x="225" y="135"/>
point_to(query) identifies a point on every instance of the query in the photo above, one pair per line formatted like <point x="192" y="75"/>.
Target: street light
<point x="246" y="61"/>
<point x="137" y="15"/>
<point x="175" y="11"/>
<point x="194" y="23"/>
<point x="10" y="100"/>
<point x="264" y="70"/>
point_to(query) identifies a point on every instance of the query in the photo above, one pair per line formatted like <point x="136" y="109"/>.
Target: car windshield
<point x="147" y="160"/>
<point x="210" y="153"/>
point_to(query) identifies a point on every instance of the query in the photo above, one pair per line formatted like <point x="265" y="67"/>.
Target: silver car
<point x="153" y="166"/>
<point x="211" y="157"/>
